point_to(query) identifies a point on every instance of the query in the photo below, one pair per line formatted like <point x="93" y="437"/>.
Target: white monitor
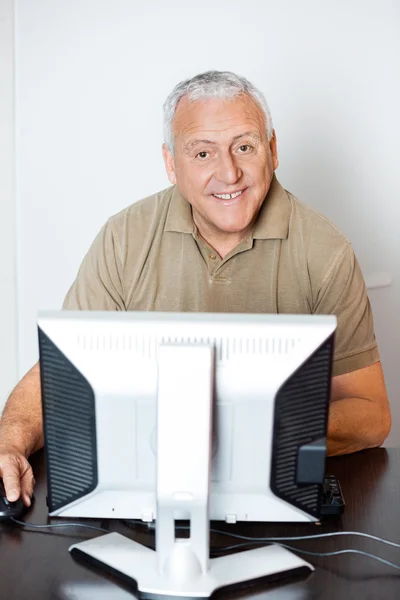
<point x="258" y="454"/>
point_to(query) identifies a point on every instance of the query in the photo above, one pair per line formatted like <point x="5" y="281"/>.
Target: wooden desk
<point x="38" y="565"/>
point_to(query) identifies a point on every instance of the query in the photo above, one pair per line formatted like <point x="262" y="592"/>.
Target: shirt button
<point x="212" y="256"/>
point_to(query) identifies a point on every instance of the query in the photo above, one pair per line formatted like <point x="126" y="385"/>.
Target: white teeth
<point x="228" y="196"/>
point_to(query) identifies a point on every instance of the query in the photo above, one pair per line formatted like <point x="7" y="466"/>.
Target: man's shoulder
<point x="142" y="213"/>
<point x="318" y="241"/>
<point x="314" y="227"/>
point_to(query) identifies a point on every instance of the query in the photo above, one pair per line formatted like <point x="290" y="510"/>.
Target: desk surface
<point x="38" y="565"/>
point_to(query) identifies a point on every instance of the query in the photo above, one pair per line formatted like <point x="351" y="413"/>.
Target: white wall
<point x="8" y="352"/>
<point x="92" y="76"/>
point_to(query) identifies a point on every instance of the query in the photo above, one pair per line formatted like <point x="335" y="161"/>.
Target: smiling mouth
<point x="229" y="196"/>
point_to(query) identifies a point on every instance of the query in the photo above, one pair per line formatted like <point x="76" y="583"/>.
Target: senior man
<point x="226" y="237"/>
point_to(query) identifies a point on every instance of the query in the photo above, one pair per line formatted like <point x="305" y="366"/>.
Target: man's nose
<point x="228" y="171"/>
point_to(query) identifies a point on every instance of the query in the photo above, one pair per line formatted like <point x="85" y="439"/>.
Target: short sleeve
<point x="98" y="284"/>
<point x="343" y="293"/>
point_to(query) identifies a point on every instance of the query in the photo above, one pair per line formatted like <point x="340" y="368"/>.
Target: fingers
<point x="27" y="485"/>
<point x="11" y="475"/>
<point x="17" y="476"/>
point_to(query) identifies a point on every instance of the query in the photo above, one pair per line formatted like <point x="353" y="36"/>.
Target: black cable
<point x="237" y="536"/>
<point x="51" y="526"/>
<point x="307" y="537"/>
<point x="249" y="540"/>
<point x="297" y="537"/>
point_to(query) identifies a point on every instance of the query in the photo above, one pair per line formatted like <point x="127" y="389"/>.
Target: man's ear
<point x="274" y="150"/>
<point x="169" y="164"/>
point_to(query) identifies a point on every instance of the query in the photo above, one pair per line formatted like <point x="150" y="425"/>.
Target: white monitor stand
<point x="182" y="567"/>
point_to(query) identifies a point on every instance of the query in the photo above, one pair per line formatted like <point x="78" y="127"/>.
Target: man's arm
<point x="21" y="434"/>
<point x="359" y="415"/>
<point x="98" y="286"/>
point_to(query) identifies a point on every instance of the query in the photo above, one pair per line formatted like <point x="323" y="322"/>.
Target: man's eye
<point x="202" y="155"/>
<point x="244" y="148"/>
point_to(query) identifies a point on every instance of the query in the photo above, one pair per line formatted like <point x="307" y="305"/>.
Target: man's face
<point x="221" y="148"/>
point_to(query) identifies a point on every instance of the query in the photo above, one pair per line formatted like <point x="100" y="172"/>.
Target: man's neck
<point x="223" y="244"/>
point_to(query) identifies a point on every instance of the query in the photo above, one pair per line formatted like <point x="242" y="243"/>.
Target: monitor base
<point x="183" y="576"/>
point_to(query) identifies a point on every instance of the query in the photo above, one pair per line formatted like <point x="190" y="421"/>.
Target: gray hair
<point x="212" y="84"/>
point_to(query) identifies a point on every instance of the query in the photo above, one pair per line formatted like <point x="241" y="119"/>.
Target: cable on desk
<point x="151" y="527"/>
<point x="295" y="538"/>
<point x="301" y="551"/>
<point x="51" y="526"/>
<point x="307" y="537"/>
<point x="249" y="541"/>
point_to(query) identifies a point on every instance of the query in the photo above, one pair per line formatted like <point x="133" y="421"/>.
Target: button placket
<point x="211" y="258"/>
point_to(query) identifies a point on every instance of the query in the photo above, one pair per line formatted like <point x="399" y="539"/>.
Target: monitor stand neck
<point x="181" y="567"/>
<point x="184" y="439"/>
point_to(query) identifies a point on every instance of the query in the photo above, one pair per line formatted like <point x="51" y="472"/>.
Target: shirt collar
<point x="272" y="221"/>
<point x="179" y="217"/>
<point x="274" y="216"/>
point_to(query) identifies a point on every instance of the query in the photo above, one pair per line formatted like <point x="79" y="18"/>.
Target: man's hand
<point x="21" y="434"/>
<point x="17" y="475"/>
<point x="359" y="415"/>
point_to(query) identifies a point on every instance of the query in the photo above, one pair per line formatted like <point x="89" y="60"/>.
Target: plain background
<point x="90" y="79"/>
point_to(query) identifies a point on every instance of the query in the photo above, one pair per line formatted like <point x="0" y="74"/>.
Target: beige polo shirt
<point x="150" y="257"/>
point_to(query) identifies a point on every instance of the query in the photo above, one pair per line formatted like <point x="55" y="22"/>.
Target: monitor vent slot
<point x="226" y="348"/>
<point x="69" y="427"/>
<point x="301" y="414"/>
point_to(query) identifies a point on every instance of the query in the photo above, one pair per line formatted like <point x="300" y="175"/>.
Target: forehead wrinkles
<point x="205" y="116"/>
<point x="244" y="126"/>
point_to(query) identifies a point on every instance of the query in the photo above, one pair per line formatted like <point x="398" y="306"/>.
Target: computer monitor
<point x="185" y="415"/>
